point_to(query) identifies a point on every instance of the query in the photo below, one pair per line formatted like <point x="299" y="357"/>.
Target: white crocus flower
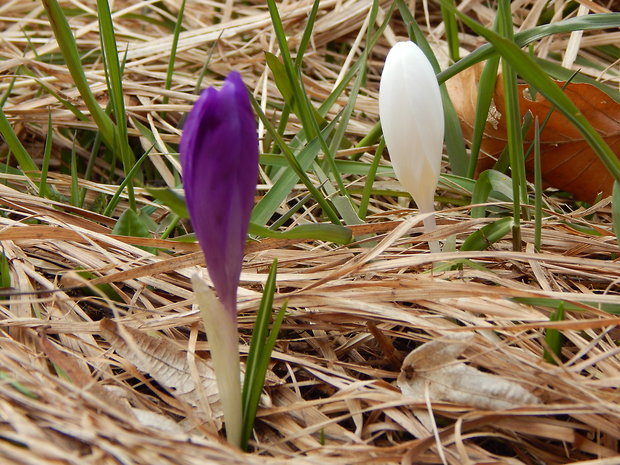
<point x="413" y="124"/>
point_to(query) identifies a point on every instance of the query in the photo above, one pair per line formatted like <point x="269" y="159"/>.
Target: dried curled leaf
<point x="166" y="364"/>
<point x="567" y="161"/>
<point x="434" y="367"/>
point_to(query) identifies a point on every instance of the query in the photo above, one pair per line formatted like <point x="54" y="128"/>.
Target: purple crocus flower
<point x="219" y="157"/>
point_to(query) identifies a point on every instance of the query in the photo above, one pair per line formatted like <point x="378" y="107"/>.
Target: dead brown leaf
<point x="567" y="161"/>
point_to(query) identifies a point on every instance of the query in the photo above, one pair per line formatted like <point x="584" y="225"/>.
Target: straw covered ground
<point x="103" y="358"/>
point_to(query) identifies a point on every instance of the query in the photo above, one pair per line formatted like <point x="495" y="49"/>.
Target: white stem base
<point x="429" y="226"/>
<point x="221" y="328"/>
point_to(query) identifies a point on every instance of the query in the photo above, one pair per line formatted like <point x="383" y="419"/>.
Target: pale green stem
<point x="430" y="225"/>
<point x="221" y="328"/>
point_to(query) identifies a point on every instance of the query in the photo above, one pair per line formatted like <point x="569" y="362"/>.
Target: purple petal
<point x="219" y="157"/>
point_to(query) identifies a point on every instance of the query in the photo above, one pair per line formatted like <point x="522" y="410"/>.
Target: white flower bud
<point x="412" y="119"/>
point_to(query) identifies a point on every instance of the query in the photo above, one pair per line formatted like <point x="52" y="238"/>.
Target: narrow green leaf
<point x="173" y="49"/>
<point x="331" y="99"/>
<point x="130" y="224"/>
<point x="581" y="23"/>
<point x="267" y="206"/>
<point x="307" y="35"/>
<point x="560" y="73"/>
<point x="5" y="273"/>
<point x="538" y="189"/>
<point x="6" y="378"/>
<point x="286" y="216"/>
<point x="68" y="47"/>
<point x="254" y="378"/>
<point x="486" y="89"/>
<point x="512" y="114"/>
<point x="24" y="160"/>
<point x="286" y="89"/>
<point x="320" y="232"/>
<point x="374" y="167"/>
<point x="568" y="306"/>
<point x="44" y="189"/>
<point x="114" y="78"/>
<point x="481" y="193"/>
<point x="490" y="181"/>
<point x="343" y="166"/>
<point x="263" y="362"/>
<point x="529" y="70"/>
<point x="171" y="199"/>
<point x="553" y="337"/>
<point x="75" y="186"/>
<point x="488" y="235"/>
<point x="298" y="96"/>
<point x="65" y="102"/>
<point x="452" y="32"/>
<point x="328" y="154"/>
<point x="128" y="178"/>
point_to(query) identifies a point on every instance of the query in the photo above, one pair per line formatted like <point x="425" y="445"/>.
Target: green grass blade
<point x="128" y="179"/>
<point x="538" y="189"/>
<point x="114" y="78"/>
<point x="327" y="150"/>
<point x="265" y="208"/>
<point x="5" y="273"/>
<point x="113" y="71"/>
<point x="68" y="48"/>
<point x="44" y="189"/>
<point x="488" y="235"/>
<point x="298" y="95"/>
<point x="303" y="45"/>
<point x="283" y="84"/>
<point x="503" y="161"/>
<point x="307" y="35"/>
<point x="344" y="166"/>
<point x="173" y="49"/>
<point x="452" y="32"/>
<point x="92" y="159"/>
<point x="263" y="364"/>
<point x="326" y="232"/>
<point x="254" y="378"/>
<point x="9" y="89"/>
<point x="335" y="94"/>
<point x="75" y="186"/>
<point x="582" y="23"/>
<point x="512" y="114"/>
<point x="553" y="337"/>
<point x="529" y="70"/>
<point x="482" y="189"/>
<point x="6" y="378"/>
<point x="557" y="304"/>
<point x="171" y="199"/>
<point x="370" y="179"/>
<point x="560" y="73"/>
<point x="63" y="101"/>
<point x="24" y="160"/>
<point x="486" y="89"/>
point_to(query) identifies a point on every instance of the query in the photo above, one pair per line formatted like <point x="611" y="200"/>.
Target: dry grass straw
<point x="67" y="396"/>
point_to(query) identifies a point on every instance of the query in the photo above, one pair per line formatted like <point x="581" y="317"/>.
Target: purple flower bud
<point x="219" y="157"/>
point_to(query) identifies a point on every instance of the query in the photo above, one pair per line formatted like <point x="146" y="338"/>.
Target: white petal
<point x="412" y="120"/>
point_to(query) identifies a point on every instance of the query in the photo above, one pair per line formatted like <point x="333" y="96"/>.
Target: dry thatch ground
<point x="75" y="391"/>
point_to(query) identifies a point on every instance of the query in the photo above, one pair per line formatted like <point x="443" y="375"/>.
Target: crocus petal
<point x="412" y="121"/>
<point x="219" y="157"/>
